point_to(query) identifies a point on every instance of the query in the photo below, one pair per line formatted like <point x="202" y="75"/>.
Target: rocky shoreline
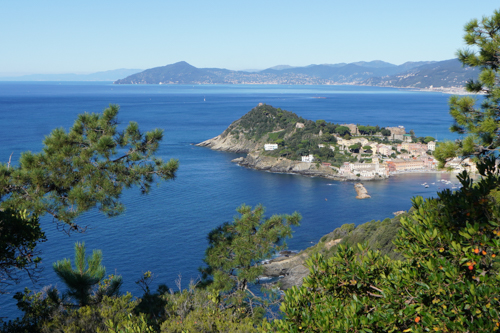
<point x="257" y="161"/>
<point x="291" y="267"/>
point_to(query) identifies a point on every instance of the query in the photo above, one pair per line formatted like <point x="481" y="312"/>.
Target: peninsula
<point x="280" y="141"/>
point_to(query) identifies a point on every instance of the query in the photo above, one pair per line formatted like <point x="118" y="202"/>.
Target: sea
<point x="165" y="231"/>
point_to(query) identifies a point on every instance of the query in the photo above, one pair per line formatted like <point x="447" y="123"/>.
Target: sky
<point x="41" y="37"/>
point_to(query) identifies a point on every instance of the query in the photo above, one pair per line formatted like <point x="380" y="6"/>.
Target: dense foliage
<point x="19" y="236"/>
<point x="376" y="235"/>
<point x="222" y="302"/>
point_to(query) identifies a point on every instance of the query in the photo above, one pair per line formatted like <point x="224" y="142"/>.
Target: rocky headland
<point x="290" y="268"/>
<point x="240" y="137"/>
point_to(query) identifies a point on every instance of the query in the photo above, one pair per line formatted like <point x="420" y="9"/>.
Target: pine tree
<point x="86" y="277"/>
<point x="87" y="167"/>
<point x="236" y="248"/>
<point x="480" y="124"/>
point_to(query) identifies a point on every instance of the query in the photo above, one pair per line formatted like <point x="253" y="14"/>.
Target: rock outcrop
<point x="291" y="269"/>
<point x="361" y="191"/>
<point x="231" y="143"/>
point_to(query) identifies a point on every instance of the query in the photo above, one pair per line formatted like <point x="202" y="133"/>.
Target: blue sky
<point x="89" y="36"/>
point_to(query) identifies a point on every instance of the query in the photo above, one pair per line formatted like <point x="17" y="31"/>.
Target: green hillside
<point x="378" y="235"/>
<point x="296" y="136"/>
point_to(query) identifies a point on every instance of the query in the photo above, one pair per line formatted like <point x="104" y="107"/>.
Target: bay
<point x="165" y="231"/>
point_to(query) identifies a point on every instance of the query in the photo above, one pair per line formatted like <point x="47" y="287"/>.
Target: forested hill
<point x="265" y="119"/>
<point x="423" y="74"/>
<point x="293" y="136"/>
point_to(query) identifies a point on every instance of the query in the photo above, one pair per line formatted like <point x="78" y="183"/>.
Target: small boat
<point x="426" y="186"/>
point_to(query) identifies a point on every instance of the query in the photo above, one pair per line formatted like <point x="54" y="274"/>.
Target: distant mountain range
<point x="111" y="75"/>
<point x="423" y="74"/>
<point x="447" y="74"/>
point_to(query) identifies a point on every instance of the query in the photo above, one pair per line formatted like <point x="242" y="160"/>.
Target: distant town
<point x="379" y="160"/>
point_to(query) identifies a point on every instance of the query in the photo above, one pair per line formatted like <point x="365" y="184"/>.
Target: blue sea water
<point x="165" y="231"/>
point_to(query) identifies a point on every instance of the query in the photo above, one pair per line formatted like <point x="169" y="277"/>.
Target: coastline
<point x="310" y="170"/>
<point x="443" y="90"/>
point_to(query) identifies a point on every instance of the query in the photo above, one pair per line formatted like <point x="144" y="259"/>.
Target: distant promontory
<point x="433" y="75"/>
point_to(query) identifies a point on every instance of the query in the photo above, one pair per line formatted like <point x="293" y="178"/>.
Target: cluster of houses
<point x="410" y="157"/>
<point x="386" y="158"/>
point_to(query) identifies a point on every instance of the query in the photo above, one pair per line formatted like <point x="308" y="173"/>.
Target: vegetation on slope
<point x="376" y="235"/>
<point x="266" y="124"/>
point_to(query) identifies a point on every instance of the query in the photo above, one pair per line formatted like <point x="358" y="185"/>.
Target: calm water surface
<point x="165" y="231"/>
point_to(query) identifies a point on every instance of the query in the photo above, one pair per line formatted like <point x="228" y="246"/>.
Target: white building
<point x="270" y="146"/>
<point x="308" y="159"/>
<point x="431" y="145"/>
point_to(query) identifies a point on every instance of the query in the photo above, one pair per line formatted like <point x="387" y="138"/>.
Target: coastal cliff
<point x="230" y="143"/>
